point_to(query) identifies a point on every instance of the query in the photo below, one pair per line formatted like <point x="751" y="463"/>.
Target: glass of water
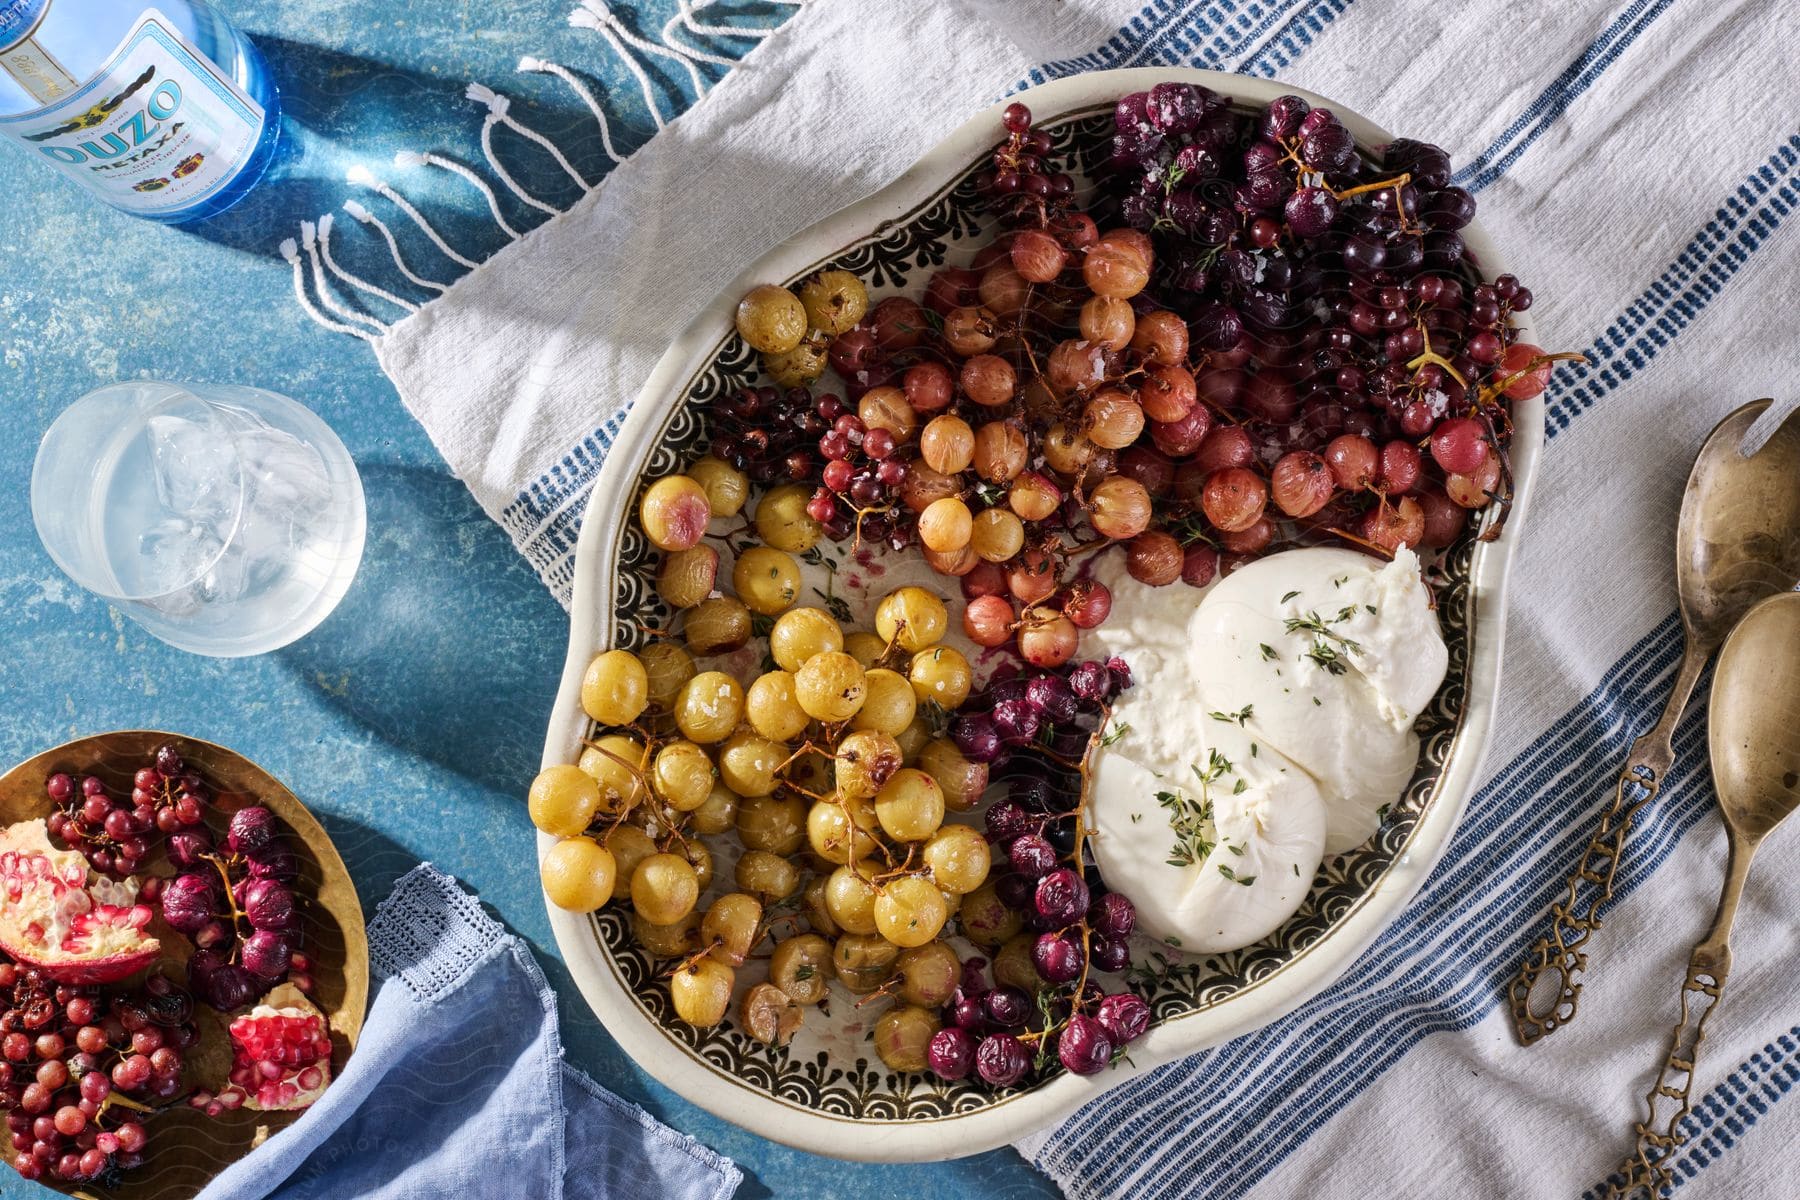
<point x="225" y="520"/>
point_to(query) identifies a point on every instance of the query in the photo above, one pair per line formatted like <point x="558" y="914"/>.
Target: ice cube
<point x="229" y="578"/>
<point x="178" y="553"/>
<point x="195" y="470"/>
<point x="282" y="473"/>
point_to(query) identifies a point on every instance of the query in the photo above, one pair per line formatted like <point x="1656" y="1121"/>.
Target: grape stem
<point x="116" y="1097"/>
<point x="237" y="914"/>
<point x="1493" y="390"/>
<point x="1397" y="182"/>
<point x="1383" y="551"/>
<point x="1428" y="355"/>
<point x="893" y="652"/>
<point x="885" y="990"/>
<point x="905" y="867"/>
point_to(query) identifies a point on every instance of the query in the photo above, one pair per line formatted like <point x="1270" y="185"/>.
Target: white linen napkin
<point x="1638" y="162"/>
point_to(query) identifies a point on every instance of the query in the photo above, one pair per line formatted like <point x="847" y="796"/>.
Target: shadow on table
<point x="342" y="111"/>
<point x="446" y="646"/>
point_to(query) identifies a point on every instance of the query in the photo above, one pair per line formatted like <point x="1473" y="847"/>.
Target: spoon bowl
<point x="1754" y="717"/>
<point x="1738" y="539"/>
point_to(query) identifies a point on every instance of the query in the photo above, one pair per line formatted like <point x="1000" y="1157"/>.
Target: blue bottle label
<point x="19" y="20"/>
<point x="157" y="130"/>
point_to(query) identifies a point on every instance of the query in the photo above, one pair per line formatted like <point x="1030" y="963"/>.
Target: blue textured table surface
<point x="411" y="721"/>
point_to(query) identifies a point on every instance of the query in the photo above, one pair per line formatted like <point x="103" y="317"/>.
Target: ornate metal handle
<point x="1561" y="953"/>
<point x="1669" y="1099"/>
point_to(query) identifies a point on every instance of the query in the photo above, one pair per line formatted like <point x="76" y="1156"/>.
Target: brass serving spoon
<point x="1738" y="541"/>
<point x="1754" y="735"/>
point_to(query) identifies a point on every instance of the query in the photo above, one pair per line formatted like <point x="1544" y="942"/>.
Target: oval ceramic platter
<point x="187" y="1148"/>
<point x="827" y="1088"/>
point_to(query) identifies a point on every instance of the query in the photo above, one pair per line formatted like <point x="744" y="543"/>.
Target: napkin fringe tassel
<point x="336" y="297"/>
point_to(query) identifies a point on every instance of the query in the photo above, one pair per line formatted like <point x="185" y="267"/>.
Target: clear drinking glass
<point x="225" y="520"/>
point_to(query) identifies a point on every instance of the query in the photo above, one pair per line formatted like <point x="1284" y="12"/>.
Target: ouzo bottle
<point x="163" y="109"/>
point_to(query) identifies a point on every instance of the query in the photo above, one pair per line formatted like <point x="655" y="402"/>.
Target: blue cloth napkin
<point x="458" y="1087"/>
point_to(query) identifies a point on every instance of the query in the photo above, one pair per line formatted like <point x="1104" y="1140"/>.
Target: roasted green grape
<point x="748" y="762"/>
<point x="664" y="888"/>
<point x="902" y="1036"/>
<point x="674" y="512"/>
<point x="961" y="780"/>
<point x="782" y="520"/>
<point x="769" y="877"/>
<point x="929" y="974"/>
<point x="614" y="761"/>
<point x="889" y="705"/>
<point x="850" y="896"/>
<point x="863" y="961"/>
<point x="771" y="319"/>
<point x="682" y="775"/>
<point x="800" y="366"/>
<point x="615" y="688"/>
<point x="717" y="625"/>
<point x="725" y="486"/>
<point x="563" y="800"/>
<point x="801" y="633"/>
<point x="699" y="858"/>
<point x="841" y="832"/>
<point x="718" y="812"/>
<point x="578" y="874"/>
<point x="776" y="824"/>
<point x="912" y="618"/>
<point x="731" y="927"/>
<point x="1013" y="966"/>
<point x="909" y="911"/>
<point x="865" y="760"/>
<point x="766" y="580"/>
<point x="910" y="805"/>
<point x="686" y="577"/>
<point x="959" y="858"/>
<point x="709" y="707"/>
<point x="630" y="846"/>
<point x="813" y="905"/>
<point x="769" y="1015"/>
<point x="941" y="675"/>
<point x="834" y="301"/>
<point x="702" y="992"/>
<point x="985" y="919"/>
<point x="913" y="738"/>
<point x="667" y="668"/>
<point x="771" y="708"/>
<point x="668" y="941"/>
<point x="866" y="648"/>
<point x="830" y="687"/>
<point x="801" y="967"/>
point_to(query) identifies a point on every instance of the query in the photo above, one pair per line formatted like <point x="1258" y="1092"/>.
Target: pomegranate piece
<point x="75" y="926"/>
<point x="280" y="1054"/>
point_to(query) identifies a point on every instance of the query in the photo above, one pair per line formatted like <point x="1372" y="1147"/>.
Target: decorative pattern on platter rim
<point x="859" y="1087"/>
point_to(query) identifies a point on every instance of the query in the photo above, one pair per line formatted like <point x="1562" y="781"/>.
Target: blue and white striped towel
<point x="1639" y="162"/>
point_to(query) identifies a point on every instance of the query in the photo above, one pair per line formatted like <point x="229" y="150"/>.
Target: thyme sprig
<point x="1191" y="817"/>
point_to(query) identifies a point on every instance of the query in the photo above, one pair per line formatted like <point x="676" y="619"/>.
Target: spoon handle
<point x="1668" y="1102"/>
<point x="1561" y="953"/>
